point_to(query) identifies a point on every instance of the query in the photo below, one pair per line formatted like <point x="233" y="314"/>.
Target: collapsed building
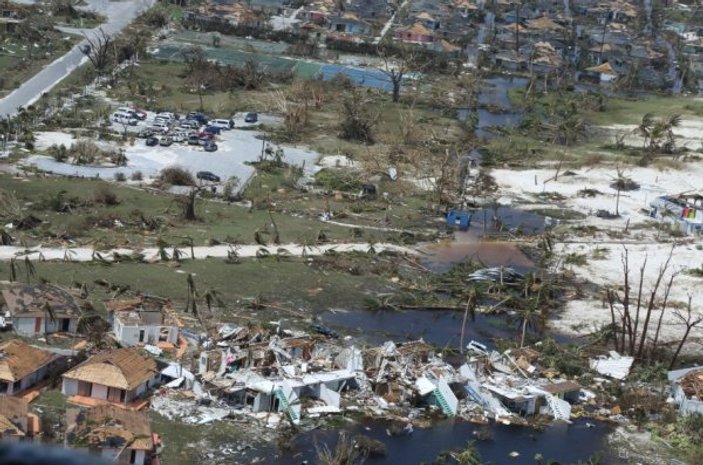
<point x="252" y="371"/>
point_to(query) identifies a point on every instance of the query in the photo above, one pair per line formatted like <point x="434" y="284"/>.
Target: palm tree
<point x="645" y="127"/>
<point x="621" y="182"/>
<point x="532" y="317"/>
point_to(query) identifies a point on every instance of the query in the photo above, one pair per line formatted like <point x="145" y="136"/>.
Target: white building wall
<point x="139" y="457"/>
<point x="129" y="335"/>
<point x="99" y="391"/>
<point x="69" y="387"/>
<point x="24" y="326"/>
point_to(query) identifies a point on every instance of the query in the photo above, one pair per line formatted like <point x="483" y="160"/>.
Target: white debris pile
<point x="614" y="366"/>
<point x="187" y="410"/>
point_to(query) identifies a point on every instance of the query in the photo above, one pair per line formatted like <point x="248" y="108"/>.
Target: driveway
<point x="118" y="13"/>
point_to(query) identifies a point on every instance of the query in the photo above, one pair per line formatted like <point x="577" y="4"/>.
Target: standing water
<point x="565" y="444"/>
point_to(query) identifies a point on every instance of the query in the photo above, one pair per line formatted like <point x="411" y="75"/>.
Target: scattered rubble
<point x="615" y="366"/>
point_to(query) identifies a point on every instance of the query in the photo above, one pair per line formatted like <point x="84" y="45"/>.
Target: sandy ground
<point x="235" y="148"/>
<point x="86" y="254"/>
<point x="582" y="316"/>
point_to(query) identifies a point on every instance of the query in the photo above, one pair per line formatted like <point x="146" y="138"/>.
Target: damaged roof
<point x="122" y="368"/>
<point x="34" y="300"/>
<point x="17" y="360"/>
<point x="106" y="426"/>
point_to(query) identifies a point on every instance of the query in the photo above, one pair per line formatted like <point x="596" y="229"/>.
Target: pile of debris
<point x="282" y="375"/>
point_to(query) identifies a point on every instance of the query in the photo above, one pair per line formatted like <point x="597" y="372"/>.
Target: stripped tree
<point x="631" y="310"/>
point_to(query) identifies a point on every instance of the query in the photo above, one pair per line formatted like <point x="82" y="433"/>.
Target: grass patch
<point x="86" y="221"/>
<point x="630" y="111"/>
<point x="291" y="283"/>
<point x="560" y="213"/>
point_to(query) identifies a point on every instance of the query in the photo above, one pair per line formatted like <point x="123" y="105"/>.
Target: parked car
<point x="152" y="141"/>
<point x="141" y="114"/>
<point x="181" y="136"/>
<point x="194" y="140"/>
<point x="124" y="118"/>
<point x="207" y="176"/>
<point x="189" y="124"/>
<point x="129" y="111"/>
<point x="165" y="141"/>
<point x="210" y="147"/>
<point x="144" y="133"/>
<point x="160" y="127"/>
<point x="221" y="123"/>
<point x="251" y="118"/>
<point x="167" y="115"/>
<point x="213" y="129"/>
<point x="199" y="117"/>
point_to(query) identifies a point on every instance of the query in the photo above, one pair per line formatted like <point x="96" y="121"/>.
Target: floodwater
<point x="439" y="327"/>
<point x="565" y="444"/>
<point x="494" y="93"/>
<point x="470" y="245"/>
<point x="440" y="257"/>
<point x="442" y="327"/>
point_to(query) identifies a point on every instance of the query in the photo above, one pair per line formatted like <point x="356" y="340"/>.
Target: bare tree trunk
<point x="637" y="311"/>
<point x="651" y="303"/>
<point x="616" y="326"/>
<point x="661" y="315"/>
<point x="626" y="320"/>
<point x="690" y="323"/>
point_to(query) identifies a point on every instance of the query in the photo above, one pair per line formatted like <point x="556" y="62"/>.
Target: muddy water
<point x="440" y="257"/>
<point x="565" y="444"/>
<point x="471" y="245"/>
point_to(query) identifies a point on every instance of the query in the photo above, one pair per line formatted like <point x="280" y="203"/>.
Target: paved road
<point x="119" y="14"/>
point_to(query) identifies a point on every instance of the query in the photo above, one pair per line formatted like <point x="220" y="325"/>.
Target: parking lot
<point x="235" y="148"/>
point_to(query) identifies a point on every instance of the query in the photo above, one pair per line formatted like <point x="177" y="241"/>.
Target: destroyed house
<point x="242" y="354"/>
<point x="116" y="435"/>
<point x="42" y="309"/>
<point x="11" y="14"/>
<point x="143" y="320"/>
<point x="282" y="390"/>
<point x="120" y="377"/>
<point x="684" y="212"/>
<point x="23" y="366"/>
<point x="16" y="422"/>
<point x="687" y="389"/>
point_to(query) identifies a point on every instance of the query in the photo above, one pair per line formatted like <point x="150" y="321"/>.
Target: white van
<point x="124" y="118"/>
<point x="221" y="123"/>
